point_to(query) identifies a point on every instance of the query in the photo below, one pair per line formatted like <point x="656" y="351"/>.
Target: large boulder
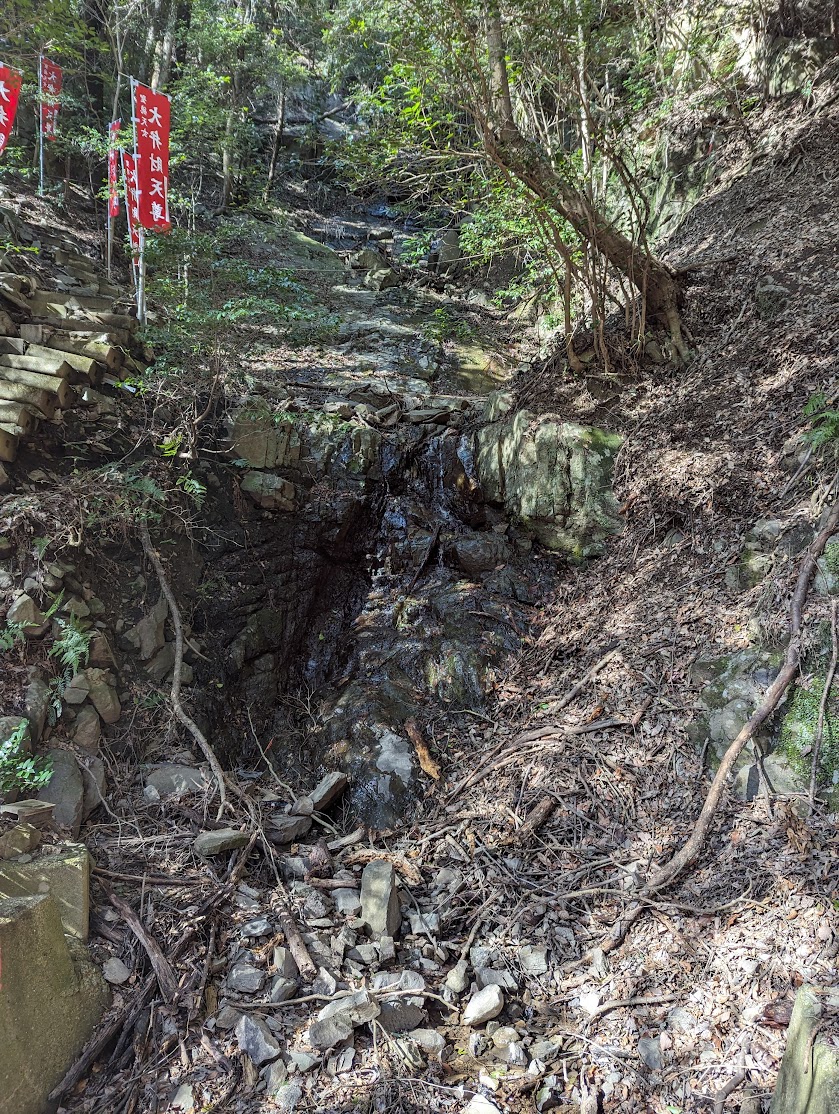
<point x="552" y="477"/>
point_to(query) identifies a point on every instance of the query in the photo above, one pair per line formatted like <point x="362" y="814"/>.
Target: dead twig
<point x="630" y="1003"/>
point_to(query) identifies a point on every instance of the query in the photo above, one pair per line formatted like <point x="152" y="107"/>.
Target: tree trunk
<point x="278" y="142"/>
<point x="506" y="145"/>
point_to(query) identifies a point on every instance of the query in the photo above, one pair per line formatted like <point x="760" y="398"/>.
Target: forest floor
<point x="594" y="716"/>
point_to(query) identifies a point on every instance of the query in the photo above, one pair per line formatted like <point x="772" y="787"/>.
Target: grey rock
<point x="256" y="1039"/>
<point x="424" y="924"/>
<point x="488" y="976"/>
<point x="115" y="971"/>
<point x="286" y="829"/>
<point x="336" y="1021"/>
<point x="380" y="899"/>
<point x="399" y="1015"/>
<point x="227" y="1018"/>
<point x="324" y="983"/>
<point x="183" y="1100"/>
<point x="259" y="927"/>
<point x="288" y="1097"/>
<point x="285" y="964"/>
<point x="480" y="1105"/>
<point x="649" y="1049"/>
<point x="457" y="979"/>
<point x="368" y="260"/>
<point x="220" y="841"/>
<point x="24" y="610"/>
<point x="147" y="636"/>
<point x="327" y="1032"/>
<point x="176" y="781"/>
<point x="77" y="690"/>
<point x="327" y="790"/>
<point x="384" y="279"/>
<point x="87" y="729"/>
<point x="275" y="1076"/>
<point x="93" y="779"/>
<point x="65" y="790"/>
<point x="430" y="1041"/>
<point x="162" y="663"/>
<point x="347" y="902"/>
<point x="504" y="1035"/>
<point x="302" y="1061"/>
<point x="363" y="953"/>
<point x="484" y="1006"/>
<point x="36" y="702"/>
<point x="282" y="989"/>
<point x="533" y="960"/>
<point x="386" y="949"/>
<point x="103" y="695"/>
<point x="546" y="1050"/>
<point x="245" y="978"/>
<point x="398" y="980"/>
<point x="19" y="840"/>
<point x="317" y="906"/>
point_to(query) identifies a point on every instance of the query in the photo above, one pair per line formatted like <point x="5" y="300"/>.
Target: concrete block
<point x="51" y="997"/>
<point x="65" y="876"/>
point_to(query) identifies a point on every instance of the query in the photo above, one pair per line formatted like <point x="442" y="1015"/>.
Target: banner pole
<point x="41" y="123"/>
<point x="141" y="268"/>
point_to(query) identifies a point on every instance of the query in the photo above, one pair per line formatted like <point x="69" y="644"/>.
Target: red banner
<point x="132" y="205"/>
<point x="113" y="168"/>
<point x="49" y="83"/>
<point x="151" y="124"/>
<point x="10" y="82"/>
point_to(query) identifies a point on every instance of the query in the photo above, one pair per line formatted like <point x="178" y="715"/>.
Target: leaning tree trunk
<point x="507" y="146"/>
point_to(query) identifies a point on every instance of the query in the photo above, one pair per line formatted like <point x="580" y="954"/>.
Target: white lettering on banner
<point x="155" y="140"/>
<point x="156" y="188"/>
<point x="4" y="92"/>
<point x="154" y="118"/>
<point x="156" y="164"/>
<point x="157" y="211"/>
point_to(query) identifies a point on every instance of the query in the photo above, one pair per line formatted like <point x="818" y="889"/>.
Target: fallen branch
<point x="668" y="873"/>
<point x="630" y="1003"/>
<point x="573" y="693"/>
<point x="175" y="694"/>
<point x="167" y="980"/>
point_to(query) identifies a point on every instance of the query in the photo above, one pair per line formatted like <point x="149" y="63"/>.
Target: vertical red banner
<point x="10" y="83"/>
<point x="49" y="77"/>
<point x="132" y="205"/>
<point x="151" y="124"/>
<point x="113" y="168"/>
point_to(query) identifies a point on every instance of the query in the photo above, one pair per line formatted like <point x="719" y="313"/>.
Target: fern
<point x="72" y="648"/>
<point x="824" y="425"/>
<point x="196" y="491"/>
<point x="19" y="770"/>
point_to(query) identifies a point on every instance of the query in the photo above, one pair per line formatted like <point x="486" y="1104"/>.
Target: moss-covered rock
<point x="808" y="1082"/>
<point x="554" y="478"/>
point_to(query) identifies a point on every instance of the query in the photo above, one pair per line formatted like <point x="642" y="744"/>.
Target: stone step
<point x="48" y="301"/>
<point x="94" y="345"/>
<point x="17" y="414"/>
<point x="85" y="366"/>
<point x="109" y="321"/>
<point x="15" y="430"/>
<point x="7" y="327"/>
<point x="55" y="364"/>
<point x="8" y="446"/>
<point x="42" y="402"/>
<point x="12" y="346"/>
<point x="52" y="384"/>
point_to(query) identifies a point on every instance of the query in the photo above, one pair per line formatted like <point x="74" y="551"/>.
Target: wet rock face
<point x="553" y="477"/>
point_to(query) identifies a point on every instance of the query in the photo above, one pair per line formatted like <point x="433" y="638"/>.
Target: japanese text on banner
<point x="113" y="168"/>
<point x="132" y="205"/>
<point x="151" y="122"/>
<point x="10" y="82"/>
<point x="50" y="77"/>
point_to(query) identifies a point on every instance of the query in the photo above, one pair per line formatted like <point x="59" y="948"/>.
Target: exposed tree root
<point x="175" y="694"/>
<point x="668" y="873"/>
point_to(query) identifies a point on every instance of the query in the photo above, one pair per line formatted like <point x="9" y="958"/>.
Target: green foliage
<point x="20" y="771"/>
<point x="798" y="730"/>
<point x="72" y="648"/>
<point x="11" y="634"/>
<point x="444" y="325"/>
<point x="823" y="435"/>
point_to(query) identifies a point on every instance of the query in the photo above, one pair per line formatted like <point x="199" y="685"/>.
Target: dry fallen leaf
<point x="429" y="766"/>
